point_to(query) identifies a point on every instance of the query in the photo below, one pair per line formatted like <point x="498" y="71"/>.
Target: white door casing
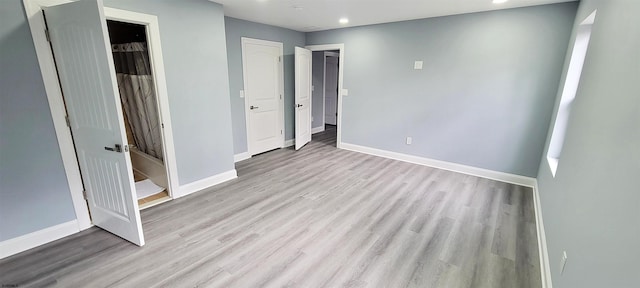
<point x="263" y="89"/>
<point x="331" y="90"/>
<point x="303" y="62"/>
<point x="85" y="66"/>
<point x="342" y="92"/>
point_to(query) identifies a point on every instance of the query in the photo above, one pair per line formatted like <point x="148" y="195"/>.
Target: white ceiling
<point x="316" y="15"/>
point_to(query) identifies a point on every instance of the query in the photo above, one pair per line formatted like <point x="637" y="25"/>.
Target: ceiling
<point x="316" y="15"/>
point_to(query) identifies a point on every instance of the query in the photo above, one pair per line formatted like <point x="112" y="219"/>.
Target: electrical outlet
<point x="563" y="261"/>
<point x="409" y="140"/>
<point x="417" y="65"/>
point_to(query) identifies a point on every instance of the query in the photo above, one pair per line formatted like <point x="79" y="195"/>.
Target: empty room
<point x="319" y="143"/>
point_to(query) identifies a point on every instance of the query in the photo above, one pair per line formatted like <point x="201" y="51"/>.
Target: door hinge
<point x="46" y="33"/>
<point x="162" y="125"/>
<point x="279" y="58"/>
<point x="280" y="132"/>
<point x="66" y="118"/>
<point x="84" y="194"/>
<point x="280" y="96"/>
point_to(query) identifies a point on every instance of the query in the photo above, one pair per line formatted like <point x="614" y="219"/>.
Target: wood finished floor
<point x="319" y="217"/>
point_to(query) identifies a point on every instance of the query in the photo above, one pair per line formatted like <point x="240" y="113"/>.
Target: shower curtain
<point x="137" y="92"/>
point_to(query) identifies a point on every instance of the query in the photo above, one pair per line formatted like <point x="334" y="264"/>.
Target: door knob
<point x="117" y="148"/>
<point x="253" y="107"/>
<point x="299" y="105"/>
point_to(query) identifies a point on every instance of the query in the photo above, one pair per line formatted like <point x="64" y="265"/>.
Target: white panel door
<point x="83" y="57"/>
<point x="303" y="96"/>
<point x="262" y="71"/>
<point x="331" y="90"/>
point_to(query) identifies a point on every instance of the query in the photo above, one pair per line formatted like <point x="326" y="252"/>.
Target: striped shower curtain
<point x="137" y="92"/>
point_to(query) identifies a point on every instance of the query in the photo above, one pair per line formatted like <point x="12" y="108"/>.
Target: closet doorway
<point x="140" y="108"/>
<point x="76" y="60"/>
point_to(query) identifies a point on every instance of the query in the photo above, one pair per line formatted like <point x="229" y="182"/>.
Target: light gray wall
<point x="195" y="60"/>
<point x="236" y="29"/>
<point x="317" y="96"/>
<point x="483" y="99"/>
<point x="33" y="187"/>
<point x="591" y="208"/>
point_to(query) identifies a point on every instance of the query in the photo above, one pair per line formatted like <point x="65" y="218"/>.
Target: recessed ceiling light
<point x="499" y="1"/>
<point x="344" y="20"/>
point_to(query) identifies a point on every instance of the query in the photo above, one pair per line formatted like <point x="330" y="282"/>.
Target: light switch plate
<point x="417" y="65"/>
<point x="241" y="93"/>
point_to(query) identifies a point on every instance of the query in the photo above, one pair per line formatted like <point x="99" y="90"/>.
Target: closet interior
<point x="143" y="126"/>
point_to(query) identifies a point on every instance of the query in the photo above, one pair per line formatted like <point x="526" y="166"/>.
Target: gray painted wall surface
<point x="34" y="193"/>
<point x="317" y="95"/>
<point x="235" y="30"/>
<point x="195" y="60"/>
<point x="591" y="208"/>
<point x="483" y="99"/>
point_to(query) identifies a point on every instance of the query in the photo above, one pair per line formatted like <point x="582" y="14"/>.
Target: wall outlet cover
<point x="417" y="65"/>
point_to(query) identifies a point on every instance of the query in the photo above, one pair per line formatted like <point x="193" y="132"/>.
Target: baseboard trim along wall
<point x="37" y="238"/>
<point x="469" y="170"/>
<point x="289" y="143"/>
<point x="317" y="129"/>
<point x="484" y="173"/>
<point x="205" y="183"/>
<point x="241" y="156"/>
<point x="545" y="269"/>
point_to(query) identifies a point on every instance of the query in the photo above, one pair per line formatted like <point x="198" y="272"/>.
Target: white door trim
<point x="157" y="68"/>
<point x="33" y="10"/>
<point x="324" y="85"/>
<point x="339" y="47"/>
<point x="280" y="46"/>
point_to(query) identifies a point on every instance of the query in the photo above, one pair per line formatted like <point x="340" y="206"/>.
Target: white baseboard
<point x="545" y="270"/>
<point x="289" y="143"/>
<point x="469" y="170"/>
<point x="205" y="183"/>
<point x="35" y="239"/>
<point x="317" y="129"/>
<point x="241" y="156"/>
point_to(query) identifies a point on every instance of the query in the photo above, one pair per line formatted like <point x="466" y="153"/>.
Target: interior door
<point x="262" y="73"/>
<point x="331" y="90"/>
<point x="83" y="57"/>
<point x="303" y="96"/>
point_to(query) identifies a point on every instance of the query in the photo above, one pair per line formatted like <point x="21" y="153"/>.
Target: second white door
<point x="303" y="96"/>
<point x="85" y="67"/>
<point x="263" y="89"/>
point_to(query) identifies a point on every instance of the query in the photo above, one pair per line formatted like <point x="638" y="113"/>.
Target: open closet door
<point x="78" y="32"/>
<point x="303" y="96"/>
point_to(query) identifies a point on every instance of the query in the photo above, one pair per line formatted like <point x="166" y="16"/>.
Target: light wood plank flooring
<point x="319" y="217"/>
